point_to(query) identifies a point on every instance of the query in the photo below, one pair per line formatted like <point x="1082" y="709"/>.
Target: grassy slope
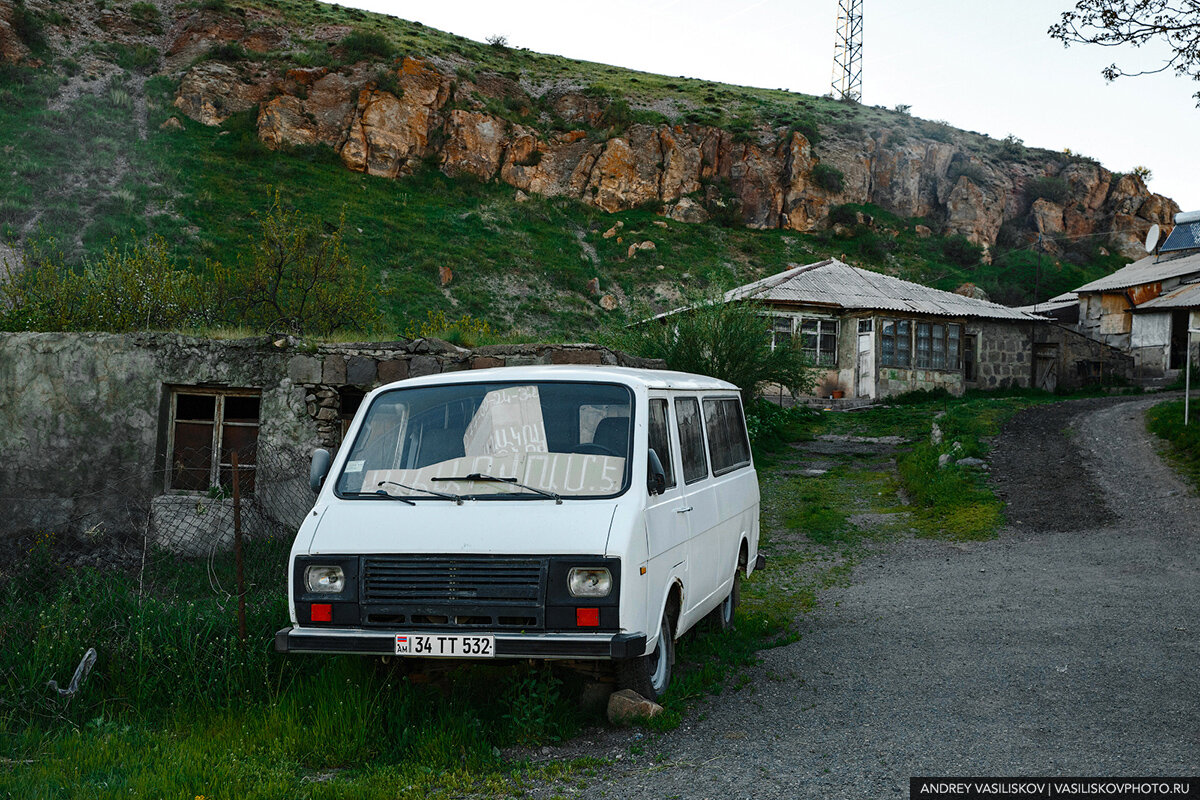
<point x="83" y="175"/>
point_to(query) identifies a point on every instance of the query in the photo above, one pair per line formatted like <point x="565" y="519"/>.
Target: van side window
<point x="726" y="434"/>
<point x="691" y="439"/>
<point x="660" y="438"/>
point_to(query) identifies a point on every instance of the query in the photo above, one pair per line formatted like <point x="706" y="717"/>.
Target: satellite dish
<point x="1152" y="238"/>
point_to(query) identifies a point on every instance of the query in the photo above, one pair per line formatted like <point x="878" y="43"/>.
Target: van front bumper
<point x="529" y="645"/>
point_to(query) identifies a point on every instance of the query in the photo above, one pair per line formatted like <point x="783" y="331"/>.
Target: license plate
<point x="445" y="645"/>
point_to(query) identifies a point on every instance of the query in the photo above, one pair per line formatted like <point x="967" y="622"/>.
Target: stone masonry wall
<point x="84" y="416"/>
<point x="1005" y="356"/>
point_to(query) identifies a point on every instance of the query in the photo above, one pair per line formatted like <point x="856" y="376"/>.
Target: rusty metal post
<point x="237" y="549"/>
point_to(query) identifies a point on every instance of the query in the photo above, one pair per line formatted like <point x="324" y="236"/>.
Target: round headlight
<point x="324" y="580"/>
<point x="589" y="582"/>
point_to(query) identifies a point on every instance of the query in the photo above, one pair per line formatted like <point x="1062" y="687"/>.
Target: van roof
<point x="646" y="378"/>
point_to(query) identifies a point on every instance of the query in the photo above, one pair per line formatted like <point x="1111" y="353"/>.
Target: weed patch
<point x="1182" y="441"/>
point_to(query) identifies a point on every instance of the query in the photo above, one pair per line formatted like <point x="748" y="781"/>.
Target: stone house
<point x="877" y="336"/>
<point x="1146" y="308"/>
<point x="107" y="434"/>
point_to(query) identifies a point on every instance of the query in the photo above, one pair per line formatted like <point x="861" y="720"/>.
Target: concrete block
<point x="423" y="365"/>
<point x="304" y="369"/>
<point x="334" y="373"/>
<point x="360" y="371"/>
<point x="395" y="369"/>
<point x="574" y="356"/>
<point x="486" y="362"/>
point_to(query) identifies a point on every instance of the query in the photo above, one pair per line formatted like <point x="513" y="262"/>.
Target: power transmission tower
<point x="847" y="51"/>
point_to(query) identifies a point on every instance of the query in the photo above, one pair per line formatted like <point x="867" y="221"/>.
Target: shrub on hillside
<point x="961" y="251"/>
<point x="729" y="341"/>
<point x="828" y="177"/>
<point x="1055" y="190"/>
<point x="136" y="287"/>
<point x="366" y="46"/>
<point x="297" y="276"/>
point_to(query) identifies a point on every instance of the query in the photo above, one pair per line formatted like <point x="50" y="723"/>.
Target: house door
<point x="1179" y="339"/>
<point x="1045" y="367"/>
<point x="865" y="383"/>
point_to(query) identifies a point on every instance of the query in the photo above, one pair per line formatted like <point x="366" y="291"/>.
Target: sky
<point x="977" y="64"/>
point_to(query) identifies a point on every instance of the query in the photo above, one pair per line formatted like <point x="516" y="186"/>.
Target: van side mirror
<point x="321" y="459"/>
<point x="656" y="476"/>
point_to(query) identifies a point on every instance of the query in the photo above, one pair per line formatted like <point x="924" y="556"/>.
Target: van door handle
<point x="683" y="510"/>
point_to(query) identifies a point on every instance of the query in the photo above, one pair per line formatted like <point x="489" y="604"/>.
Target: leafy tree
<point x="298" y="277"/>
<point x="730" y="341"/>
<point x="1111" y="23"/>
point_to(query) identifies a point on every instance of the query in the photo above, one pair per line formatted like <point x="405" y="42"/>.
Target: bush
<point x="297" y="276"/>
<point x="975" y="173"/>
<point x="366" y="46"/>
<point x="1055" y="190"/>
<point x="961" y="251"/>
<point x="145" y="13"/>
<point x="844" y="214"/>
<point x="1010" y="147"/>
<point x="828" y="177"/>
<point x="28" y="27"/>
<point x="227" y="52"/>
<point x="136" y="287"/>
<point x="466" y="331"/>
<point x="729" y="341"/>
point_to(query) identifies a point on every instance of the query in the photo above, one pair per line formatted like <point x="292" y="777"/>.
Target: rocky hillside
<point x="394" y="99"/>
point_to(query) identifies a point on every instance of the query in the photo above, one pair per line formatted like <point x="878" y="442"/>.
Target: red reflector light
<point x="322" y="612"/>
<point x="587" y="617"/>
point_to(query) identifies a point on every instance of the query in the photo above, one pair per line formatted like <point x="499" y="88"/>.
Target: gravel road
<point x="1069" y="646"/>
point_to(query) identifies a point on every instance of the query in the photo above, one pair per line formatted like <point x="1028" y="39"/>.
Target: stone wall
<point x="1083" y="361"/>
<point x="84" y="417"/>
<point x="1005" y="353"/>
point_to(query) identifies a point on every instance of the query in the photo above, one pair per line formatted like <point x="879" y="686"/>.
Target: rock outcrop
<point x="387" y="120"/>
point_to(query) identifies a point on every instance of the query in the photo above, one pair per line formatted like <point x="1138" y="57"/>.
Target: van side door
<point x="698" y="504"/>
<point x="667" y="526"/>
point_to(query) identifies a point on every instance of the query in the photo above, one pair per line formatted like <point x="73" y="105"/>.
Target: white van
<point x="551" y="512"/>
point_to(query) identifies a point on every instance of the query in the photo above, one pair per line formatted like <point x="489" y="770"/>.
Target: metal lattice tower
<point x="847" y="52"/>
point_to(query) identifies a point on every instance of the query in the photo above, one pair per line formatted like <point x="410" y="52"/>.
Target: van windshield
<point x="567" y="439"/>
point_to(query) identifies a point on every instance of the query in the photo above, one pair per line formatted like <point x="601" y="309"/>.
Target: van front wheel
<point x="649" y="675"/>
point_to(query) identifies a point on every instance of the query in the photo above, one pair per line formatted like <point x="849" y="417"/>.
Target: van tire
<point x="721" y="618"/>
<point x="650" y="675"/>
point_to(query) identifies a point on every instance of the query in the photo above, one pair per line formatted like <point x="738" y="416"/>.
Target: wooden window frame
<point x="216" y="464"/>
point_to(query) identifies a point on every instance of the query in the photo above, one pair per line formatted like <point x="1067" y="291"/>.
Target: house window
<point x="895" y="339"/>
<point x="781" y="332"/>
<point x="938" y="346"/>
<point x="818" y="340"/>
<point x="206" y="428"/>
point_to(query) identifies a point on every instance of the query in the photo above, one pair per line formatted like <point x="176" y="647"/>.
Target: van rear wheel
<point x="721" y="617"/>
<point x="649" y="675"/>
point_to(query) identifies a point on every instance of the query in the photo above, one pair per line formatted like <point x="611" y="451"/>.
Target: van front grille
<point x="418" y="579"/>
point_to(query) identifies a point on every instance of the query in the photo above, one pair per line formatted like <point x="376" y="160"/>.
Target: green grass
<point x="1182" y="442"/>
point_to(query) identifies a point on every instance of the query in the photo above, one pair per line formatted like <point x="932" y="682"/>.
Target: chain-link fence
<point x="177" y="592"/>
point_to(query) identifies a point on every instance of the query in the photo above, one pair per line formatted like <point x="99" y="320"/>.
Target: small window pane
<point x="191" y="460"/>
<point x="241" y="409"/>
<point x="691" y="439"/>
<point x="196" y="406"/>
<point x="660" y="439"/>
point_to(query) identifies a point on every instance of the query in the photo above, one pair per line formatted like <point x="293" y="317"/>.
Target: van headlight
<point x="324" y="580"/>
<point x="589" y="582"/>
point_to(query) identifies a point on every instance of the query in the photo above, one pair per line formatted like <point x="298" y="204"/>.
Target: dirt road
<point x="1070" y="646"/>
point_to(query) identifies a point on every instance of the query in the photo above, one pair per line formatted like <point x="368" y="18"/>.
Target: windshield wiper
<point x="456" y="498"/>
<point x="482" y="478"/>
<point x="382" y="493"/>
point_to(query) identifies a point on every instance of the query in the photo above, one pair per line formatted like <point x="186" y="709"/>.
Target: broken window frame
<point x="219" y="465"/>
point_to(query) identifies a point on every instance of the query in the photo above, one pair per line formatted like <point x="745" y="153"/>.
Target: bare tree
<point x="1111" y="23"/>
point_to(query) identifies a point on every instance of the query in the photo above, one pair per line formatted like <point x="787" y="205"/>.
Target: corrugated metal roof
<point x="1186" y="296"/>
<point x="1150" y="269"/>
<point x="1056" y="303"/>
<point x="832" y="283"/>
